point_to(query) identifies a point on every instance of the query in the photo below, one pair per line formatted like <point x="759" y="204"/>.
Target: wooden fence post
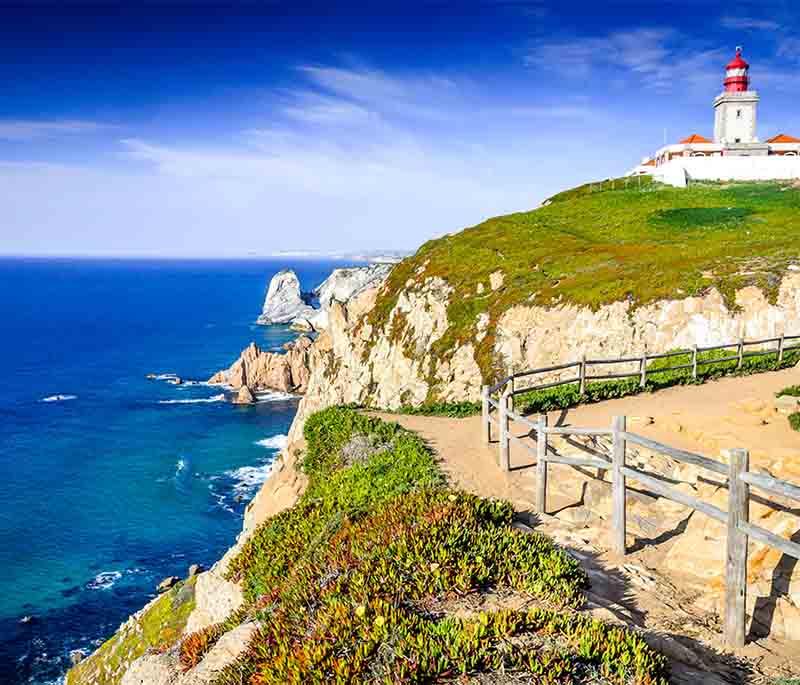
<point x="504" y="439"/>
<point x="582" y="388"/>
<point x="643" y="369"/>
<point x="694" y="361"/>
<point x="511" y="396"/>
<point x="741" y="353"/>
<point x="541" y="464"/>
<point x="736" y="556"/>
<point x="618" y="485"/>
<point x="487" y="424"/>
<point x="780" y="348"/>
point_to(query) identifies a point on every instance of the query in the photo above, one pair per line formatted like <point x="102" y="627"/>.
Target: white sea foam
<point x="249" y="478"/>
<point x="196" y="400"/>
<point x="273" y="396"/>
<point x="165" y="376"/>
<point x="58" y="398"/>
<point x="180" y="465"/>
<point x="276" y="442"/>
<point x="104" y="580"/>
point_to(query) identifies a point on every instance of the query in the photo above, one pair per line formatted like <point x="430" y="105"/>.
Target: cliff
<point x="600" y="274"/>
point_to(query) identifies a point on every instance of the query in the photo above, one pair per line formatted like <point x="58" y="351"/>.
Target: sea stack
<point x="284" y="300"/>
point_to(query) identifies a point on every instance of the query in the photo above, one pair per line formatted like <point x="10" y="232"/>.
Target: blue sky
<point x="249" y="128"/>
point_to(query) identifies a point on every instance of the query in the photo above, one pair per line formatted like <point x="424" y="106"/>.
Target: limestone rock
<point x="194" y="569"/>
<point x="284" y="300"/>
<point x="244" y="396"/>
<point x="787" y="405"/>
<point x="344" y="284"/>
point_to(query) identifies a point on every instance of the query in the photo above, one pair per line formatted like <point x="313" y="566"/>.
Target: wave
<point x="273" y="396"/>
<point x="104" y="580"/>
<point x="249" y="478"/>
<point x="276" y="442"/>
<point x="165" y="376"/>
<point x="197" y="400"/>
<point x="58" y="398"/>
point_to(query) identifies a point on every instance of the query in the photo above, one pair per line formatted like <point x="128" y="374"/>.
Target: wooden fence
<point x="736" y="471"/>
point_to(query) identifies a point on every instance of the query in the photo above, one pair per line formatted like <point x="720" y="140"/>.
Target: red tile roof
<point x="695" y="138"/>
<point x="650" y="162"/>
<point x="783" y="138"/>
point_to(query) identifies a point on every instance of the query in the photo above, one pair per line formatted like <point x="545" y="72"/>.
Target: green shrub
<point x="453" y="410"/>
<point x="343" y="583"/>
<point x="794" y="421"/>
<point x="791" y="391"/>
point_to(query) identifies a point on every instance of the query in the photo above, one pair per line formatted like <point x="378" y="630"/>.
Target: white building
<point x="735" y="154"/>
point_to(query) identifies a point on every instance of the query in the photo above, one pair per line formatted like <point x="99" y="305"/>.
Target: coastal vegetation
<point x="371" y="575"/>
<point x="659" y="376"/>
<point x="588" y="248"/>
<point x="792" y="391"/>
<point x="157" y="627"/>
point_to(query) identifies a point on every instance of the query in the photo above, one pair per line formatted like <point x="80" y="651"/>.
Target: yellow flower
<point x="360" y="611"/>
<point x="452" y="498"/>
<point x="379" y="621"/>
<point x="434" y="566"/>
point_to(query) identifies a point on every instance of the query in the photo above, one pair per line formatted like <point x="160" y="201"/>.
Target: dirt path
<point x="734" y="412"/>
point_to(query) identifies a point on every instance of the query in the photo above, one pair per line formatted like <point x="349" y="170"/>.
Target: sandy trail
<point x="731" y="412"/>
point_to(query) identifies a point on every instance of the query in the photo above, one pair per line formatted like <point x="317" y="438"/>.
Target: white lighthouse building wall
<point x="679" y="171"/>
<point x="735" y="118"/>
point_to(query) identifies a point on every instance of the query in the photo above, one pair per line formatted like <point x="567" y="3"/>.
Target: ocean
<point x="112" y="481"/>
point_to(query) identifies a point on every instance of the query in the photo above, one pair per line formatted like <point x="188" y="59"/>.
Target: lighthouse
<point x="735" y="108"/>
<point x="735" y="154"/>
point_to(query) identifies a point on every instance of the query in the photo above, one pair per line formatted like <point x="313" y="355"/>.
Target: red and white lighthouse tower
<point x="735" y="109"/>
<point x="737" y="74"/>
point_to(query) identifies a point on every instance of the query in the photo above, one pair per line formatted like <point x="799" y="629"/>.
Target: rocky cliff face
<point x="410" y="359"/>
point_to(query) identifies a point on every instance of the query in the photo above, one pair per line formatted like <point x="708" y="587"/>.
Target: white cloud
<point x="25" y="130"/>
<point x="659" y="59"/>
<point x="749" y="24"/>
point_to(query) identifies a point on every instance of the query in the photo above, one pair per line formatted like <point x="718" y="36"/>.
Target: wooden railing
<point x="735" y="472"/>
<point x="513" y="385"/>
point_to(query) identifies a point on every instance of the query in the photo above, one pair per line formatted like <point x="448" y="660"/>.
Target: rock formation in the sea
<point x="244" y="396"/>
<point x="284" y="300"/>
<point x="256" y="369"/>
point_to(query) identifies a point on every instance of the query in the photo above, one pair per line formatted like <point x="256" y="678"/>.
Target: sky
<point x="254" y="127"/>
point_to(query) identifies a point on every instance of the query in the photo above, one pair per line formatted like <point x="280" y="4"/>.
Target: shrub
<point x="342" y="584"/>
<point x="794" y="421"/>
<point x="791" y="391"/>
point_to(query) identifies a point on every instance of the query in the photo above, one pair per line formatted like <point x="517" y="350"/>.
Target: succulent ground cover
<point x="339" y="584"/>
<point x="792" y="391"/>
<point x="590" y="248"/>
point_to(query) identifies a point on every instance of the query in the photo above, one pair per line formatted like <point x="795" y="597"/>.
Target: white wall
<point x="767" y="168"/>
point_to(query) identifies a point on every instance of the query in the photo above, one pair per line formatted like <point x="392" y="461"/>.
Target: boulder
<point x="167" y="583"/>
<point x="284" y="300"/>
<point x="244" y="396"/>
<point x="786" y="404"/>
<point x="194" y="569"/>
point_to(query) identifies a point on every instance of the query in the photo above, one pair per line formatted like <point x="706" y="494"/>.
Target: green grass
<point x="593" y="248"/>
<point x="351" y="584"/>
<point x="791" y="391"/>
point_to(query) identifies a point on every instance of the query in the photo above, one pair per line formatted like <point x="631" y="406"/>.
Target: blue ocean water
<point x="111" y="481"/>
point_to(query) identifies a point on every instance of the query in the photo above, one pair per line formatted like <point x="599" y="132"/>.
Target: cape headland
<point x="361" y="538"/>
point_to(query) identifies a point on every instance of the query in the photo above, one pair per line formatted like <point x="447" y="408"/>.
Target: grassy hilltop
<point x="593" y="248"/>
